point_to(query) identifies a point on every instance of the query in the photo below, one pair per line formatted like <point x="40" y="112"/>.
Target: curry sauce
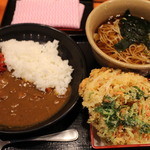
<point x="22" y="105"/>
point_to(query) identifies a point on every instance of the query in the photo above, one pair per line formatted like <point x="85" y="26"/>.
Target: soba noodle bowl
<point x="109" y="34"/>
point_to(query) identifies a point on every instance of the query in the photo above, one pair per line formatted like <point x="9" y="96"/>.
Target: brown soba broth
<point x="125" y="38"/>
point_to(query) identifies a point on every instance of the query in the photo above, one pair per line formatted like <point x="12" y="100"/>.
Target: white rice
<point x="37" y="63"/>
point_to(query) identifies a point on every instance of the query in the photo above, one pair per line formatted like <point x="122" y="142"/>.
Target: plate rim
<point x="112" y="146"/>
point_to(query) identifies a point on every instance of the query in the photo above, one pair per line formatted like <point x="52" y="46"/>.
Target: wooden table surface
<point x="3" y="4"/>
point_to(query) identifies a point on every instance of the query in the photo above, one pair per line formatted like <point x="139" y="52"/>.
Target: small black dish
<point x="68" y="49"/>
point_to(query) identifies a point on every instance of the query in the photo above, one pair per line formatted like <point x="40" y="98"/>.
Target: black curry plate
<point x="68" y="49"/>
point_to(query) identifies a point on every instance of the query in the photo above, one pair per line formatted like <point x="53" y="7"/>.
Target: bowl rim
<point x="69" y="105"/>
<point x="96" y="49"/>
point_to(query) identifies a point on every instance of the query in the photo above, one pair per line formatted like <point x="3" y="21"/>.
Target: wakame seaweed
<point x="133" y="30"/>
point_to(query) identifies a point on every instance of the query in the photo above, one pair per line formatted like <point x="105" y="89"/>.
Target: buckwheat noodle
<point x="109" y="34"/>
